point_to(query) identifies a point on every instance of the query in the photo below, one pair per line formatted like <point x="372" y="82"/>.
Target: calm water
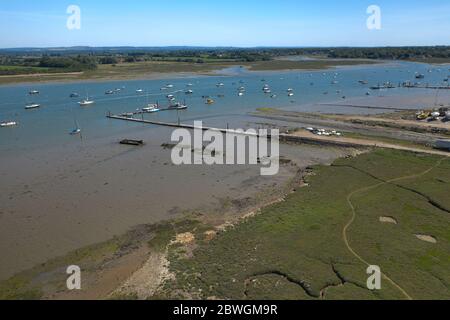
<point x="50" y="125"/>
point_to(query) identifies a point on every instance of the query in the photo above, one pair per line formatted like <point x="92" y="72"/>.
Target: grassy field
<point x="151" y="69"/>
<point x="295" y="249"/>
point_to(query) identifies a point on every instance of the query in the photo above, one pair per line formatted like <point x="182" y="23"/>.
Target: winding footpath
<point x="347" y="226"/>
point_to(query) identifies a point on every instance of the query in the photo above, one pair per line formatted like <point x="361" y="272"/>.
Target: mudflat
<point x="57" y="200"/>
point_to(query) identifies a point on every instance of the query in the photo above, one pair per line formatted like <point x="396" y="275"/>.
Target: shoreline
<point x="248" y="67"/>
<point x="148" y="262"/>
<point x="158" y="76"/>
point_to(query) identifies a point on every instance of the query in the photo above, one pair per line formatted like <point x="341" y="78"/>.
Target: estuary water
<point x="50" y="124"/>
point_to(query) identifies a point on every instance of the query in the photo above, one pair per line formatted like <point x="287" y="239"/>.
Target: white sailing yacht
<point x="151" y="108"/>
<point x="86" y="102"/>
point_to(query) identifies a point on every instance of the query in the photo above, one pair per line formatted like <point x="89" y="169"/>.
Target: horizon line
<point x="219" y="47"/>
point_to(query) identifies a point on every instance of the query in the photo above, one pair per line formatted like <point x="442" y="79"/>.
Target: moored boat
<point x="151" y="108"/>
<point x="86" y="102"/>
<point x="8" y="124"/>
<point x="75" y="132"/>
<point x="32" y="106"/>
<point x="178" y="106"/>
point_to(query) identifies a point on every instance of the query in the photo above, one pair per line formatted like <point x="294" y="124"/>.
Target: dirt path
<point x="396" y="122"/>
<point x="366" y="143"/>
<point x="347" y="226"/>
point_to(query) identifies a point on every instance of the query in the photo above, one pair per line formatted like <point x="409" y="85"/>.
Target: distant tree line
<point x="86" y="58"/>
<point x="78" y="63"/>
<point x="403" y="53"/>
<point x="47" y="63"/>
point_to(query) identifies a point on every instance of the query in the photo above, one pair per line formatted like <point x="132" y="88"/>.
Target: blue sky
<point x="247" y="23"/>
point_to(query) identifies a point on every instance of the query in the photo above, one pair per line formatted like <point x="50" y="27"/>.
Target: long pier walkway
<point x="179" y="125"/>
